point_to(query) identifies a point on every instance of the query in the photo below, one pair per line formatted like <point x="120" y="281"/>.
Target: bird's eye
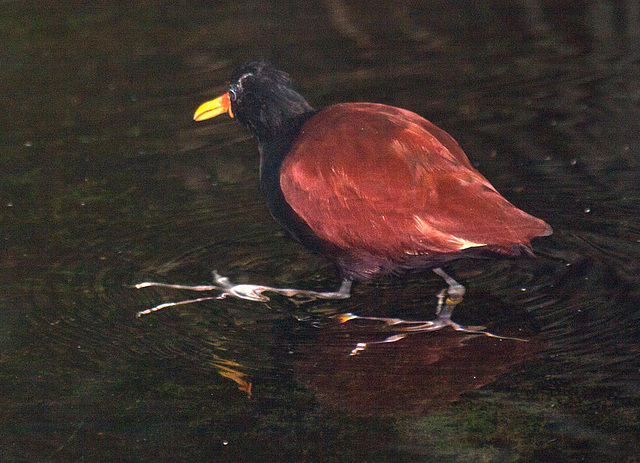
<point x="232" y="92"/>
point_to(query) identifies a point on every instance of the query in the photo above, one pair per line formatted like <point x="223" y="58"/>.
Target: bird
<point x="375" y="189"/>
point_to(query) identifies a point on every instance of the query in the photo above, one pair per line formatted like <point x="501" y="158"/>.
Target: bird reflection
<point x="412" y="377"/>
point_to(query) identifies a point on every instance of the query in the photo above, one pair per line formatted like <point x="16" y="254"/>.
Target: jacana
<point x="375" y="189"/>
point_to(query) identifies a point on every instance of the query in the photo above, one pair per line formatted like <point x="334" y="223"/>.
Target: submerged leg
<point x="454" y="294"/>
<point x="245" y="291"/>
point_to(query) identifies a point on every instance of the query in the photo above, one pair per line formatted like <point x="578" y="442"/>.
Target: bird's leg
<point x="245" y="291"/>
<point x="450" y="297"/>
<point x="254" y="292"/>
<point x="447" y="300"/>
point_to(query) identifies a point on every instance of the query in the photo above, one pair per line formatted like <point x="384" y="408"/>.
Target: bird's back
<point x="383" y="181"/>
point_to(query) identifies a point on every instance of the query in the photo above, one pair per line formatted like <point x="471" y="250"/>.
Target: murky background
<point x="105" y="181"/>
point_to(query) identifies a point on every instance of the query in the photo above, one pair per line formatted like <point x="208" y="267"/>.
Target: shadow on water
<point x="106" y="182"/>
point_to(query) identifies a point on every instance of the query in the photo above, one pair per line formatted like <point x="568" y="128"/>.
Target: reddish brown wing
<point x="385" y="180"/>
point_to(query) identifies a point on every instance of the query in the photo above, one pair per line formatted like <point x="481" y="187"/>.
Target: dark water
<point x="105" y="182"/>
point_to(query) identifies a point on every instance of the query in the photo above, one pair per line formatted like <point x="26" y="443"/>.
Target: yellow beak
<point x="214" y="108"/>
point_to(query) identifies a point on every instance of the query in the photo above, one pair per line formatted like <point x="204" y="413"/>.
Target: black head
<point x="263" y="99"/>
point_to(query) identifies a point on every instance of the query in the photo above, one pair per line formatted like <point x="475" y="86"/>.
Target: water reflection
<point x="413" y="377"/>
<point x="105" y="182"/>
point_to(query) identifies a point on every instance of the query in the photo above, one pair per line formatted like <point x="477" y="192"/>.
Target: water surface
<point x="105" y="181"/>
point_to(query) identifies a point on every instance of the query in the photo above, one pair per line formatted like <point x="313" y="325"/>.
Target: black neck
<point x="274" y="114"/>
<point x="276" y="146"/>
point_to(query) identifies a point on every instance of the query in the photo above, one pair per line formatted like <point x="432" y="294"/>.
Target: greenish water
<point x="105" y="181"/>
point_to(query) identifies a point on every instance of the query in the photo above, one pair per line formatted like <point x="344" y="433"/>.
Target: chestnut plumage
<point x="374" y="188"/>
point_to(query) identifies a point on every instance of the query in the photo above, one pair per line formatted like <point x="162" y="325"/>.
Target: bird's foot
<point x="448" y="299"/>
<point x="243" y="291"/>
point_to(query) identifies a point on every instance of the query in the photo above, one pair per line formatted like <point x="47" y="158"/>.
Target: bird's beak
<point x="214" y="108"/>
